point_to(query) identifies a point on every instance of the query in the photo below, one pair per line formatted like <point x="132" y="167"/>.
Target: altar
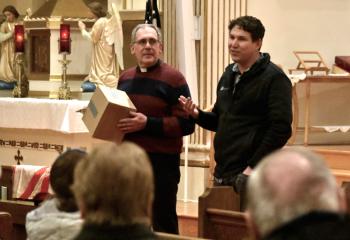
<point x="35" y="131"/>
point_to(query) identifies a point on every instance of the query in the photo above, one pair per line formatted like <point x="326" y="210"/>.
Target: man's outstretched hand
<point x="188" y="105"/>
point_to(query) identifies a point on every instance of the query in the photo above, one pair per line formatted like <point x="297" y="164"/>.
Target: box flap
<point x="118" y="97"/>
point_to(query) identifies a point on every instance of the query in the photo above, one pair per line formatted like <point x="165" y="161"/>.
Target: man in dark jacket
<point x="293" y="195"/>
<point x="252" y="114"/>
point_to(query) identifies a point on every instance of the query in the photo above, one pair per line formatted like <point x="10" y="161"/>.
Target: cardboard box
<point x="106" y="107"/>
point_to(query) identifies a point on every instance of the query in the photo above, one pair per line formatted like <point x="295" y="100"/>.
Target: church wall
<point x="320" y="25"/>
<point x="36" y="4"/>
<point x="20" y="5"/>
<point x="313" y="25"/>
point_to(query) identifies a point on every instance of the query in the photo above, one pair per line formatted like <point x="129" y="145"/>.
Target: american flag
<point x="152" y="13"/>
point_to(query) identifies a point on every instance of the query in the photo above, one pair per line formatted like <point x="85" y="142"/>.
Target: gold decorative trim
<point x="54" y="22"/>
<point x="42" y="24"/>
<point x="70" y="77"/>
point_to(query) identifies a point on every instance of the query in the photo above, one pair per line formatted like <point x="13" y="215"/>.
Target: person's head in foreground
<point x="288" y="184"/>
<point x="114" y="186"/>
<point x="57" y="218"/>
<point x="62" y="177"/>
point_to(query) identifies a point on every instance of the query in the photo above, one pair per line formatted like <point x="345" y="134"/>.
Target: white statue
<point x="107" y="38"/>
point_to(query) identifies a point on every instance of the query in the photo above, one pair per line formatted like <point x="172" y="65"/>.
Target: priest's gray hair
<point x="142" y="26"/>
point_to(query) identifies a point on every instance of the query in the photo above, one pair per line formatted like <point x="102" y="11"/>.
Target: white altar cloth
<point x="295" y="78"/>
<point x="46" y="114"/>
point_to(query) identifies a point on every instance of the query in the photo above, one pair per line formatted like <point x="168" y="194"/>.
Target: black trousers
<point x="166" y="169"/>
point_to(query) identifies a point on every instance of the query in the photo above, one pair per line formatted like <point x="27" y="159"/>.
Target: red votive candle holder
<point x="64" y="42"/>
<point x="19" y="38"/>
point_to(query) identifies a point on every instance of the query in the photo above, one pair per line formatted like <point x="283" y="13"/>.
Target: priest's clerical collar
<point x="141" y="69"/>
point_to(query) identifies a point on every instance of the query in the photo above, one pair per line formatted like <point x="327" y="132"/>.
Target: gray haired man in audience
<point x="293" y="195"/>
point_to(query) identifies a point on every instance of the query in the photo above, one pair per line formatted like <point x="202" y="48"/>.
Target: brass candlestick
<point x="21" y="89"/>
<point x="64" y="90"/>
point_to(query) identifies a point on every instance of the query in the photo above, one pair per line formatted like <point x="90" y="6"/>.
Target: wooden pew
<point x="6" y="179"/>
<point x="5" y="226"/>
<point x="219" y="217"/>
<point x="346" y="188"/>
<point x="18" y="211"/>
<point x="339" y="163"/>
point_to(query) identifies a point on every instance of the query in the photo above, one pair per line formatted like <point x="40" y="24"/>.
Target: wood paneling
<point x="40" y="51"/>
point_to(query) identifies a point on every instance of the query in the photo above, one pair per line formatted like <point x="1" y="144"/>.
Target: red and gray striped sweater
<point x="155" y="93"/>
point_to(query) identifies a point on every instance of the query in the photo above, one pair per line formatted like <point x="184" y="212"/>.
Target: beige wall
<point x="36" y="4"/>
<point x="133" y="4"/>
<point x="321" y="25"/>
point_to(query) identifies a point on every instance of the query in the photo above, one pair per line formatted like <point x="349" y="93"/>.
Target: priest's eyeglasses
<point x="143" y="42"/>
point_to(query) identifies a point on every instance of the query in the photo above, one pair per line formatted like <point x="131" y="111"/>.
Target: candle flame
<point x="19" y="38"/>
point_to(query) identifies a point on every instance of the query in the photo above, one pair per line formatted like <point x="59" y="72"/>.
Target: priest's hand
<point x="135" y="122"/>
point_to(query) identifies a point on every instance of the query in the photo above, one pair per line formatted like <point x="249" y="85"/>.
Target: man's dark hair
<point x="249" y="24"/>
<point x="12" y="10"/>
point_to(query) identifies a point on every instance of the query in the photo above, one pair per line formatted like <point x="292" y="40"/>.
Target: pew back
<point x="168" y="236"/>
<point x="5" y="226"/>
<point x="346" y="188"/>
<point x="219" y="216"/>
<point x="6" y="179"/>
<point x="18" y="210"/>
